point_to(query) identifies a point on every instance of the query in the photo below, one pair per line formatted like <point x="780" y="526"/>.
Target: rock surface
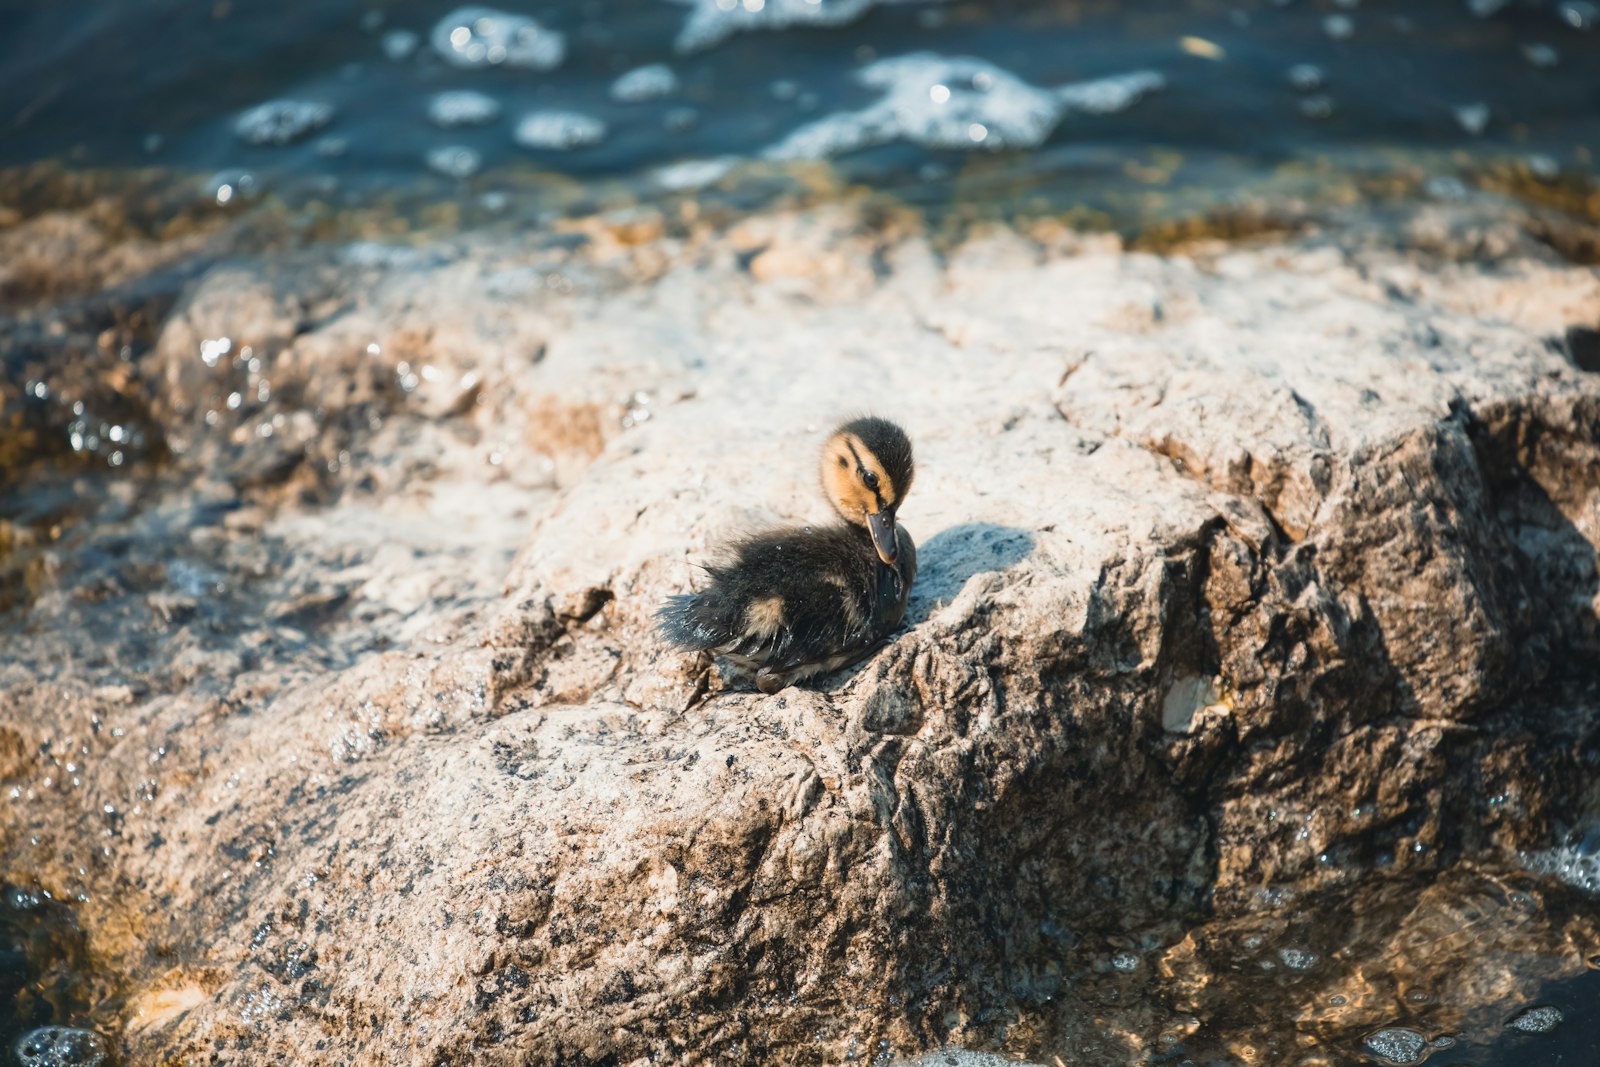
<point x="1244" y="572"/>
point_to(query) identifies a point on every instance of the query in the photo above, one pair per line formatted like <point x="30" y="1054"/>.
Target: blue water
<point x="1247" y="87"/>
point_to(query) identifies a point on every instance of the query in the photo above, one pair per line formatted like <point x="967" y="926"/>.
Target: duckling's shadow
<point x="952" y="556"/>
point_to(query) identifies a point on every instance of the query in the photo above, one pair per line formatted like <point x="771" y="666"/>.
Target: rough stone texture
<point x="1244" y="572"/>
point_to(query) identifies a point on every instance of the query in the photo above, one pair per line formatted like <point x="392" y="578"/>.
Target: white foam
<point x="960" y="1057"/>
<point x="58" y="1046"/>
<point x="279" y="122"/>
<point x="958" y="102"/>
<point x="1540" y="1020"/>
<point x="1473" y="118"/>
<point x="462" y="107"/>
<point x="1574" y="867"/>
<point x="712" y="21"/>
<point x="1398" y="1044"/>
<point x="559" y="130"/>
<point x="485" y="37"/>
<point x="693" y="173"/>
<point x="454" y="161"/>
<point x="645" y="83"/>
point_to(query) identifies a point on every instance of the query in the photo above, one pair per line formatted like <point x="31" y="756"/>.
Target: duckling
<point x="796" y="602"/>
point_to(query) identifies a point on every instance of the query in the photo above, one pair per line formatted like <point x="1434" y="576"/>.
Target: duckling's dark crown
<point x="888" y="443"/>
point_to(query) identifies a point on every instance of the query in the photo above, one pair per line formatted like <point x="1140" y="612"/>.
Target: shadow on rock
<point x="954" y="555"/>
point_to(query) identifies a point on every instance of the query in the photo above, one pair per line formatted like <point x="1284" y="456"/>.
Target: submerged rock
<point x="1243" y="571"/>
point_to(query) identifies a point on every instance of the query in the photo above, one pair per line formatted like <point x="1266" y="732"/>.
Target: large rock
<point x="1241" y="572"/>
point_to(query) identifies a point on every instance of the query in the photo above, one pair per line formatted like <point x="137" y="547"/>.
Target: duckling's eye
<point x="871" y="479"/>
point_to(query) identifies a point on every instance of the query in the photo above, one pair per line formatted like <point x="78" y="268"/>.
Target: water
<point x="43" y="983"/>
<point x="343" y="100"/>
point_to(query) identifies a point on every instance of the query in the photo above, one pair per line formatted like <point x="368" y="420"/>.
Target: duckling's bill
<point x="881" y="525"/>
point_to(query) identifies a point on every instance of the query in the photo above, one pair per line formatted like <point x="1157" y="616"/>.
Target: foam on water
<point x="713" y="21"/>
<point x="1398" y="1045"/>
<point x="645" y="83"/>
<point x="454" y="161"/>
<point x="1298" y="959"/>
<point x="484" y="37"/>
<point x="462" y="107"/>
<point x="957" y="102"/>
<point x="559" y="130"/>
<point x="960" y="1057"/>
<point x="280" y="122"/>
<point x="1538" y="1020"/>
<point x="1576" y="865"/>
<point x="61" y="1046"/>
<point x="693" y="173"/>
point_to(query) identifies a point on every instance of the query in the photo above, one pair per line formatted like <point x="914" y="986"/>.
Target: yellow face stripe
<point x="866" y="460"/>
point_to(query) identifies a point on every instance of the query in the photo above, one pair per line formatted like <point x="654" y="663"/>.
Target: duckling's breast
<point x="894" y="584"/>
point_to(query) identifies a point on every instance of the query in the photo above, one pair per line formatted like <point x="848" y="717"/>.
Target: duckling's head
<point x="866" y="472"/>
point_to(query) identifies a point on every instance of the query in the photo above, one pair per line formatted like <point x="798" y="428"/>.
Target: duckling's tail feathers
<point x="695" y="621"/>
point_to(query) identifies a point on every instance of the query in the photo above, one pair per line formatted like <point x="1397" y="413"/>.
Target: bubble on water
<point x="1298" y="959"/>
<point x="693" y="173"/>
<point x="61" y="1046"/>
<point x="1397" y="1045"/>
<point x="1306" y="77"/>
<point x="484" y="37"/>
<point x="980" y="106"/>
<point x="1568" y="864"/>
<point x="645" y="83"/>
<point x="399" y="45"/>
<point x="559" y="130"/>
<point x="1126" y="962"/>
<point x="1473" y="118"/>
<point x="454" y="161"/>
<point x="462" y="107"/>
<point x="281" y="122"/>
<point x="1339" y="27"/>
<point x="1539" y="1020"/>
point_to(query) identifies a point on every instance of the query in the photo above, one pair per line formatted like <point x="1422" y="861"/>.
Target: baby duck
<point x="795" y="602"/>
